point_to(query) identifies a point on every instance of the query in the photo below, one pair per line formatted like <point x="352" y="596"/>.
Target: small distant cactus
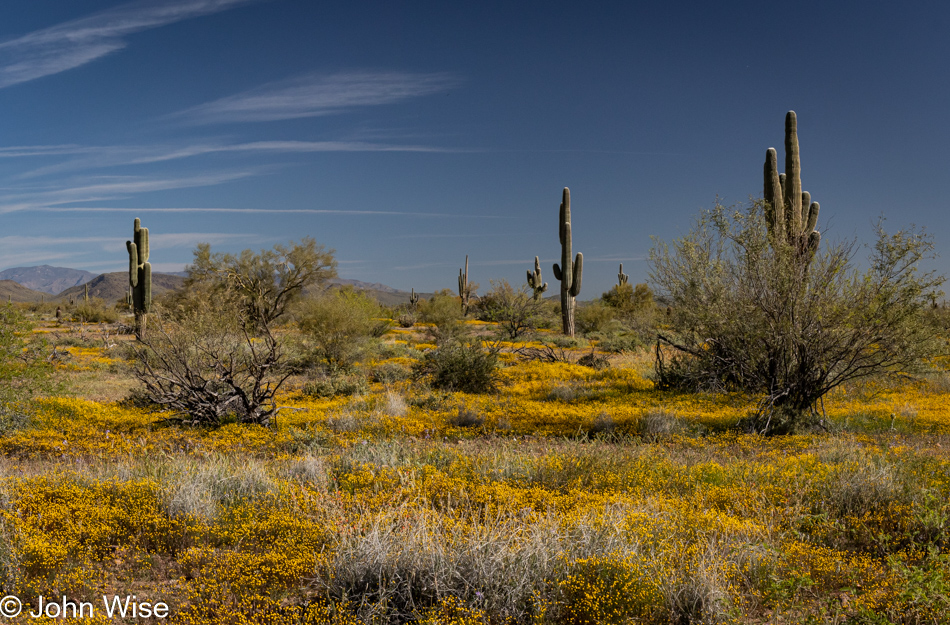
<point x="413" y="299"/>
<point x="622" y="278"/>
<point x="570" y="275"/>
<point x="140" y="277"/>
<point x="535" y="282"/>
<point x="465" y="289"/>
<point x="790" y="213"/>
<point x="85" y="293"/>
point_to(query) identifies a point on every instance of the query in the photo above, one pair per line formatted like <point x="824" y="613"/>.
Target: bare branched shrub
<point x="547" y="353"/>
<point x="594" y="361"/>
<point x="207" y="369"/>
<point x="514" y="310"/>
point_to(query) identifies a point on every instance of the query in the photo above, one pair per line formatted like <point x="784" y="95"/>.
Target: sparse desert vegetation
<point x="568" y="495"/>
<point x="274" y="451"/>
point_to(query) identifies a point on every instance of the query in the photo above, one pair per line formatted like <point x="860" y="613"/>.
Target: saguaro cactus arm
<point x="575" y="289"/>
<point x="535" y="281"/>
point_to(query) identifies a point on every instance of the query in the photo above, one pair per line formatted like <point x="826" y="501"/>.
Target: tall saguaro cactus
<point x="140" y="277"/>
<point x="570" y="275"/>
<point x="622" y="278"/>
<point x="790" y="213"/>
<point x="535" y="282"/>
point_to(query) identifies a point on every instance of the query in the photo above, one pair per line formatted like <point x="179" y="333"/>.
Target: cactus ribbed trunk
<point x="569" y="272"/>
<point x="140" y="277"/>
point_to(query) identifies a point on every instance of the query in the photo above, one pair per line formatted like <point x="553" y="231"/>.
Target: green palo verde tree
<point x="759" y="307"/>
<point x="570" y="271"/>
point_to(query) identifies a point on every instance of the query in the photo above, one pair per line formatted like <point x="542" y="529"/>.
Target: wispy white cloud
<point x="20" y="151"/>
<point x="613" y="259"/>
<point x="109" y="190"/>
<point x="239" y="211"/>
<point x="316" y="95"/>
<point x="24" y="250"/>
<point x="77" y="42"/>
<point x="112" y="156"/>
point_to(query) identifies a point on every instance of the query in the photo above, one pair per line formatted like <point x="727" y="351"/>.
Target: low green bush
<point x="460" y="366"/>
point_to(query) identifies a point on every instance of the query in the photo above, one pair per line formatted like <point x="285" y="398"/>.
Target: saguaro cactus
<point x="140" y="277"/>
<point x="790" y="213"/>
<point x="622" y="278"/>
<point x="535" y="281"/>
<point x="570" y="275"/>
<point x="413" y="300"/>
<point x="465" y="289"/>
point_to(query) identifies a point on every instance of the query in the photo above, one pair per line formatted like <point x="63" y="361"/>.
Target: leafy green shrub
<point x="25" y="369"/>
<point x="619" y="343"/>
<point x="754" y="312"/>
<point x="264" y="284"/>
<point x="341" y="325"/>
<point x="335" y="384"/>
<point x="444" y="312"/>
<point x="459" y="366"/>
<point x="389" y="372"/>
<point x="596" y="317"/>
<point x="564" y="342"/>
<point x="94" y="310"/>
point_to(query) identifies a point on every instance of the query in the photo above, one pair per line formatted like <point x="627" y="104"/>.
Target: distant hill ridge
<point x="11" y="291"/>
<point x="114" y="286"/>
<point x="32" y="283"/>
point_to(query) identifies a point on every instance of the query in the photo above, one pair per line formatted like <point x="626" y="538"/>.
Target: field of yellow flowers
<point x="572" y="496"/>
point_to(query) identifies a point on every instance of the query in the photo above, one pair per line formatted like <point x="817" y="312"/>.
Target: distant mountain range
<point x="47" y="279"/>
<point x="32" y="284"/>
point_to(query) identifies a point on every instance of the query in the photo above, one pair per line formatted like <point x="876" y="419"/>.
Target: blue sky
<point x="406" y="135"/>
